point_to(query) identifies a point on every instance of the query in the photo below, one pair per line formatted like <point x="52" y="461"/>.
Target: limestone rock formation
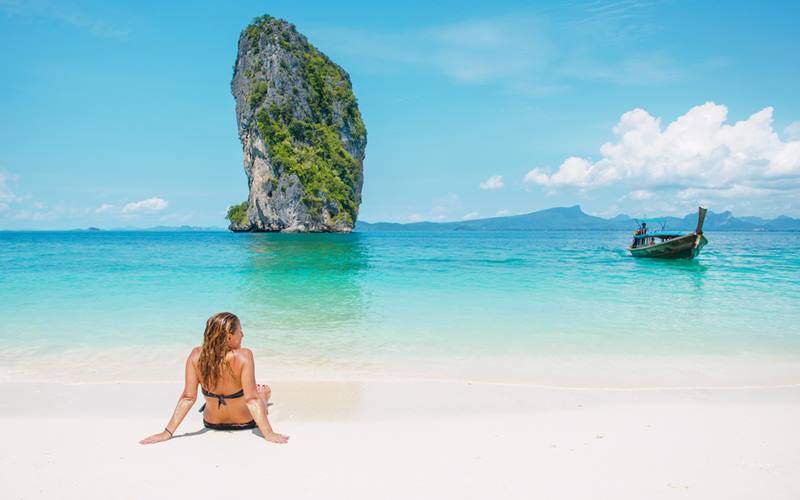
<point x="302" y="135"/>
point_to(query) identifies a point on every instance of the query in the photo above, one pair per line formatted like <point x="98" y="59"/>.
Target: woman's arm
<point x="185" y="403"/>
<point x="254" y="402"/>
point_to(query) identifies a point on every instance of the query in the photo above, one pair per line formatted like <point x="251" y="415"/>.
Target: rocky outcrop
<point x="302" y="135"/>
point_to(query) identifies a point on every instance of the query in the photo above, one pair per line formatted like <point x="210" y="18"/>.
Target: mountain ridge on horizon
<point x="549" y="219"/>
<point x="573" y="217"/>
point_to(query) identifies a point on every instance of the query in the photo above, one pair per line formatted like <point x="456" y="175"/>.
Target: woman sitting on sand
<point x="226" y="372"/>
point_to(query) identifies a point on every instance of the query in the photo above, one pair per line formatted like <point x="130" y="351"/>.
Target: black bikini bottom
<point x="230" y="427"/>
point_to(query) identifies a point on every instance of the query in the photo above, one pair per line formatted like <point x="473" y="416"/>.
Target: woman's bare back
<point x="229" y="410"/>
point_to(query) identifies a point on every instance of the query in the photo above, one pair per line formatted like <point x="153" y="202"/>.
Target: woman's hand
<point x="156" y="438"/>
<point x="274" y="437"/>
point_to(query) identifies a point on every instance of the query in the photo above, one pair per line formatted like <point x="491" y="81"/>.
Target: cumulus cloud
<point x="792" y="131"/>
<point x="502" y="213"/>
<point x="149" y="205"/>
<point x="471" y="215"/>
<point x="573" y="172"/>
<point x="493" y="182"/>
<point x="698" y="150"/>
<point x="104" y="208"/>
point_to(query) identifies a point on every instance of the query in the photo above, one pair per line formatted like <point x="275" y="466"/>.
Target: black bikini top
<point x="221" y="397"/>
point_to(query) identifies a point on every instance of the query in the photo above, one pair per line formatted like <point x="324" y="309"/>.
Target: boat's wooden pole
<point x="701" y="218"/>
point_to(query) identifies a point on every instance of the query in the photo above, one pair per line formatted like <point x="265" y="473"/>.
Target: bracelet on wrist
<point x="167" y="431"/>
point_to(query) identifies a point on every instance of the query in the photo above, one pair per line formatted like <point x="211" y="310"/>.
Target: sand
<point x="379" y="439"/>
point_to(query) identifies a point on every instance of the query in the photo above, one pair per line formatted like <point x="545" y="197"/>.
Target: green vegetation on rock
<point x="314" y="152"/>
<point x="257" y="95"/>
<point x="237" y="214"/>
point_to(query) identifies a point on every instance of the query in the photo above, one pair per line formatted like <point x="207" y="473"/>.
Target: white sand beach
<point x="407" y="439"/>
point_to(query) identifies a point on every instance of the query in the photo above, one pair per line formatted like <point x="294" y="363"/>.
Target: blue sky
<point x="121" y="114"/>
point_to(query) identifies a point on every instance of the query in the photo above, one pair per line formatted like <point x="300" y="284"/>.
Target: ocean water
<point x="344" y="301"/>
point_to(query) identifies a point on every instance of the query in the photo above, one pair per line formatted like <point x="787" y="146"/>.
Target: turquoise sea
<point x="346" y="299"/>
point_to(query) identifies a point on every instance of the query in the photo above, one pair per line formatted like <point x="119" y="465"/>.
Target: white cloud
<point x="502" y="213"/>
<point x="471" y="215"/>
<point x="697" y="150"/>
<point x="145" y="206"/>
<point x="535" y="176"/>
<point x="573" y="172"/>
<point x="104" y="208"/>
<point x="792" y="131"/>
<point x="493" y="182"/>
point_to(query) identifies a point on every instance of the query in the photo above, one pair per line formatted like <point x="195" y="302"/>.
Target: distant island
<point x="574" y="218"/>
<point x="303" y="139"/>
<point x="551" y="219"/>
<point x="165" y="229"/>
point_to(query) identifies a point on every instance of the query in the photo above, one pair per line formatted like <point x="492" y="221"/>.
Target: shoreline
<point x="418" y="380"/>
<point x="545" y="370"/>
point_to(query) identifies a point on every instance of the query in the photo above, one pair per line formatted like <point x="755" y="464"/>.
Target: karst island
<point x="302" y="135"/>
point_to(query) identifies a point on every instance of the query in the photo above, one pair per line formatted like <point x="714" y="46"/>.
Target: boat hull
<point x="683" y="247"/>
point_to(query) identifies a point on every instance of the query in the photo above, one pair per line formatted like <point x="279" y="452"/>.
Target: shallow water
<point x="398" y="295"/>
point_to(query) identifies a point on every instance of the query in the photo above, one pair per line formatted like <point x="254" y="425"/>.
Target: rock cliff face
<point x="301" y="131"/>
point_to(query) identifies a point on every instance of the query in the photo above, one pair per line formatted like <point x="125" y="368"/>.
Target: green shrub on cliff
<point x="314" y="152"/>
<point x="237" y="214"/>
<point x="257" y="95"/>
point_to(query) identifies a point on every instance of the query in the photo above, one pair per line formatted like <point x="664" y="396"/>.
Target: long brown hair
<point x="215" y="346"/>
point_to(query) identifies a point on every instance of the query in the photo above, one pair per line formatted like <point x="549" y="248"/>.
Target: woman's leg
<point x="264" y="392"/>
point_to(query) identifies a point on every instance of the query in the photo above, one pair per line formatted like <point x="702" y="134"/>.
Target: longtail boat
<point x="665" y="244"/>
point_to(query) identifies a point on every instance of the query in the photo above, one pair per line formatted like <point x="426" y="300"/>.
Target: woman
<point x="226" y="373"/>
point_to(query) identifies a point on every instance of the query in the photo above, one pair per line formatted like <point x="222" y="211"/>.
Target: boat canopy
<point x="661" y="234"/>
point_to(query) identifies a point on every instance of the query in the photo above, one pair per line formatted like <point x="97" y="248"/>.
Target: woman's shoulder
<point x="194" y="354"/>
<point x="242" y="353"/>
<point x="241" y="356"/>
